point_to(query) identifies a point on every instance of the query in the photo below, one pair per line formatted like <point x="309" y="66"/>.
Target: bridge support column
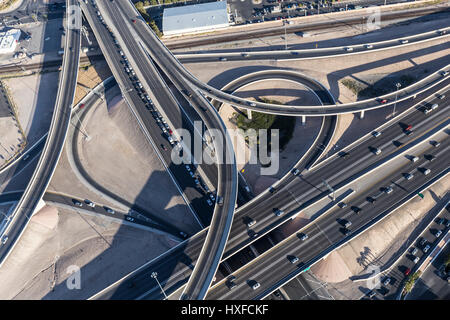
<point x="303" y="120"/>
<point x="361" y="115"/>
<point x="249" y="114"/>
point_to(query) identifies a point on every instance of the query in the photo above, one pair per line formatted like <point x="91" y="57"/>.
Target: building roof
<point x="195" y="17"/>
<point x="8" y="40"/>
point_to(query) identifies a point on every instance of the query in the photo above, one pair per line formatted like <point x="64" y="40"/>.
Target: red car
<point x="407" y="271"/>
<point x="408" y="128"/>
<point x="82" y="106"/>
<point x="383" y="101"/>
<point x="134" y="21"/>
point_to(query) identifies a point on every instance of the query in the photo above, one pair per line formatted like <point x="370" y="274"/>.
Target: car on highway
<point x="163" y="147"/>
<point x="347" y="232"/>
<point x="77" y="203"/>
<point x="25" y="157"/>
<point x="368" y="46"/>
<point x="272" y="189"/>
<point x="371" y="294"/>
<point x="386" y="281"/>
<point x="429" y="157"/>
<point x="231" y="284"/>
<point x="89" y="203"/>
<point x="408" y="176"/>
<point x="109" y="210"/>
<point x="302" y="236"/>
<point x="422" y="242"/>
<point x="250" y="222"/>
<point x="183" y="234"/>
<point x="349" y="49"/>
<point x="441" y="96"/>
<point x="438" y="233"/>
<point x="416" y="259"/>
<point x="344" y="154"/>
<point x="435" y="143"/>
<point x="293" y="259"/>
<point x="414" y="251"/>
<point x="444" y="73"/>
<point x="129" y="219"/>
<point x="376" y="134"/>
<point x="447" y="223"/>
<point x="414" y="158"/>
<point x="388" y="190"/>
<point x="220" y="200"/>
<point x="407" y="271"/>
<point x="211" y="195"/>
<point x="295" y="172"/>
<point x="404" y="41"/>
<point x="223" y="59"/>
<point x="375" y="151"/>
<point x="347" y="223"/>
<point x="278" y="212"/>
<point x="209" y="202"/>
<point x="425" y="171"/>
<point x="342" y="205"/>
<point x="356" y="209"/>
<point x="255" y="285"/>
<point x="4" y="239"/>
<point x="133" y="20"/>
<point x="382" y="101"/>
<point x="426" y="248"/>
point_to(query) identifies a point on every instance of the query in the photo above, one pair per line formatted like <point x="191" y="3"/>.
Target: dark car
<point x="163" y="147"/>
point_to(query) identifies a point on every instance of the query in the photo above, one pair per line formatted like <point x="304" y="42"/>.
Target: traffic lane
<point x="326" y="230"/>
<point x="185" y="181"/>
<point x="304" y="54"/>
<point x="83" y="204"/>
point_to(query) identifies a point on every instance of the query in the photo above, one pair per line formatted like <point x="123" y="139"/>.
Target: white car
<point x="89" y="203"/>
<point x="376" y="134"/>
<point x="209" y="202"/>
<point x="130" y="219"/>
<point x="4" y="239"/>
<point x="349" y="49"/>
<point x="256" y="285"/>
<point x="368" y="46"/>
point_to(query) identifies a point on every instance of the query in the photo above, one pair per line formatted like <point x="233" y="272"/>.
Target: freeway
<point x="54" y="142"/>
<point x="173" y="267"/>
<point x="227" y="181"/>
<point x="304" y="54"/>
<point x="328" y="232"/>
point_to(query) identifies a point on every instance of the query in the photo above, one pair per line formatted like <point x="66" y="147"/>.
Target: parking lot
<point x="254" y="11"/>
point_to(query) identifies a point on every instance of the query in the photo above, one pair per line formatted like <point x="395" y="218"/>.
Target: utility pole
<point x="154" y="275"/>
<point x="330" y="188"/>
<point x="398" y="85"/>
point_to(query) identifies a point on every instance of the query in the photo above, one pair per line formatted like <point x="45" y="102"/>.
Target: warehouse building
<point x="9" y="40"/>
<point x="195" y="18"/>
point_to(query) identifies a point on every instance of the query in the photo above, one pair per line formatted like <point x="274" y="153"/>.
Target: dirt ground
<point x="56" y="240"/>
<point x="304" y="135"/>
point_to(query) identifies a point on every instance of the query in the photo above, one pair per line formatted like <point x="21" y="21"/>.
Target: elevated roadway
<point x="55" y="140"/>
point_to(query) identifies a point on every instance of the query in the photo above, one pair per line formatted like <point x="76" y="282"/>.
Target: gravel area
<point x="56" y="240"/>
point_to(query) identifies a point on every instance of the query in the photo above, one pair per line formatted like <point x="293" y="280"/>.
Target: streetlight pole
<point x="83" y="130"/>
<point x="398" y="85"/>
<point x="285" y="36"/>
<point x="154" y="275"/>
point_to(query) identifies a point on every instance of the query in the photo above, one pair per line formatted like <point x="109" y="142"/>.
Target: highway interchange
<point x="187" y="264"/>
